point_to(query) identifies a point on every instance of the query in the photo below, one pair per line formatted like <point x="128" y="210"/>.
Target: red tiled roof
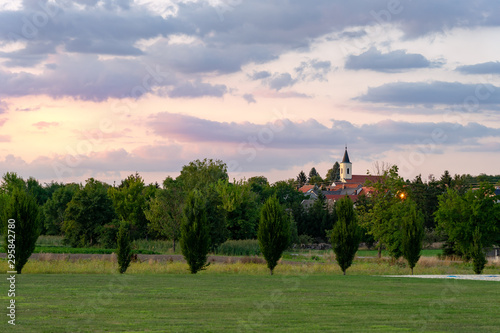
<point x="336" y="197"/>
<point x="367" y="190"/>
<point x="361" y="179"/>
<point x="306" y="188"/>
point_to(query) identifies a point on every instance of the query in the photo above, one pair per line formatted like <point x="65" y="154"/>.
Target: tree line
<point x="395" y="216"/>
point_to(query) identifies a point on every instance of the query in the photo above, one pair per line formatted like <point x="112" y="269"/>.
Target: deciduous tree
<point x="164" y="210"/>
<point x="129" y="201"/>
<point x="459" y="216"/>
<point x="54" y="208"/>
<point x="87" y="212"/>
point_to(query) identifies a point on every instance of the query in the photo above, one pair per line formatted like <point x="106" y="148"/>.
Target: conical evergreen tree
<point x="124" y="250"/>
<point x="412" y="233"/>
<point x="274" y="232"/>
<point x="195" y="238"/>
<point x="346" y="233"/>
<point x="22" y="216"/>
<point x="477" y="253"/>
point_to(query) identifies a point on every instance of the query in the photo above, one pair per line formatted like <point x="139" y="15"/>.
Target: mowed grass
<point x="209" y="302"/>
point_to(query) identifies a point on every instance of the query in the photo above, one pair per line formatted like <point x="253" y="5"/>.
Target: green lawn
<point x="209" y="302"/>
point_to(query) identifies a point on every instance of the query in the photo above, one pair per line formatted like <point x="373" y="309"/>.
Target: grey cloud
<point x="279" y="81"/>
<point x="437" y="92"/>
<point x="313" y="70"/>
<point x="260" y="75"/>
<point x="102" y="47"/>
<point x="286" y="134"/>
<point x="492" y="67"/>
<point x="249" y="98"/>
<point x="394" y="61"/>
<point x="31" y="55"/>
<point x="269" y="30"/>
<point x="85" y="77"/>
<point x="197" y="89"/>
<point x="352" y="34"/>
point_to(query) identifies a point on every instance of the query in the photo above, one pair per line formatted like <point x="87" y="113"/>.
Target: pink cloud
<point x="43" y="124"/>
<point x="3" y="121"/>
<point x="4" y="138"/>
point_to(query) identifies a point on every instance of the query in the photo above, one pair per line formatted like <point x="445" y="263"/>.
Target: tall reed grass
<point x="245" y="247"/>
<point x="47" y="264"/>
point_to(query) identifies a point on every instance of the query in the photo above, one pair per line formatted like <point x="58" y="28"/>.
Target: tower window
<point x="347" y="170"/>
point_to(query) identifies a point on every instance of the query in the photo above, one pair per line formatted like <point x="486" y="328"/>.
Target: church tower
<point x="345" y="168"/>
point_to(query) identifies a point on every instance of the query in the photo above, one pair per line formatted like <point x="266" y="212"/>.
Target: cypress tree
<point x="477" y="253"/>
<point x="274" y="231"/>
<point x="195" y="238"/>
<point x="412" y="233"/>
<point x="346" y="233"/>
<point x="124" y="248"/>
<point x="22" y="210"/>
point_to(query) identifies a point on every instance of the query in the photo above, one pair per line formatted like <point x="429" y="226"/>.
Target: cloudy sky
<point x="104" y="88"/>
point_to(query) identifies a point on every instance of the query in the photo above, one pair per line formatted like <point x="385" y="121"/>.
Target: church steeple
<point x="345" y="167"/>
<point x="346" y="157"/>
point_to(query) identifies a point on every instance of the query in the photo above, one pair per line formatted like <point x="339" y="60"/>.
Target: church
<point x="349" y="184"/>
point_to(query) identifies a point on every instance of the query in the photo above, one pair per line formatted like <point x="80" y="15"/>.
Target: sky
<point x="107" y="88"/>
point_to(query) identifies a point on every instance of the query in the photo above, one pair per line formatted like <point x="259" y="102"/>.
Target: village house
<point x="349" y="184"/>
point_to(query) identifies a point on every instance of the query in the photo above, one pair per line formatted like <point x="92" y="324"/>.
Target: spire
<point x="346" y="157"/>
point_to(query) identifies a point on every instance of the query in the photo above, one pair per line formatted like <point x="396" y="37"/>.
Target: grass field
<point x="209" y="302"/>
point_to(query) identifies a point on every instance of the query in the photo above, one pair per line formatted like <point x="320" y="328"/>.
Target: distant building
<point x="350" y="185"/>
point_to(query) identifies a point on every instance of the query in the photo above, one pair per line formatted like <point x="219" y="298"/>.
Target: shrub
<point x="109" y="234"/>
<point x="305" y="239"/>
<point x="245" y="247"/>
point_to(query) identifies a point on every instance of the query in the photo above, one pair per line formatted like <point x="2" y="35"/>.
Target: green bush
<point x="109" y="234"/>
<point x="244" y="247"/>
<point x="156" y="246"/>
<point x="305" y="239"/>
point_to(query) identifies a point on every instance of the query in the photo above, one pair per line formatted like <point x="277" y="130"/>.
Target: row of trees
<point x="93" y="213"/>
<point x="467" y="218"/>
<point x="314" y="178"/>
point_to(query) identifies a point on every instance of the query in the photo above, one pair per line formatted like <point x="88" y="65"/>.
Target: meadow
<point x="307" y="293"/>
<point x="212" y="302"/>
